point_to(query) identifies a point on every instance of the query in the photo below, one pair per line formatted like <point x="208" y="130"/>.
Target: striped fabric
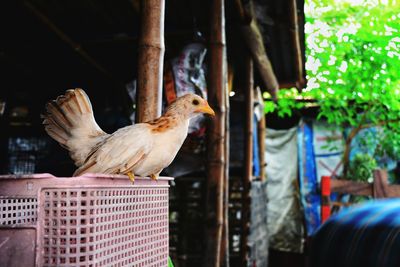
<point x="367" y="235"/>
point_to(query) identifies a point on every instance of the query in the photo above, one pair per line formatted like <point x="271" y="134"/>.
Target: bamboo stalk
<point x="224" y="250"/>
<point x="151" y="60"/>
<point x="216" y="133"/>
<point x="224" y="258"/>
<point x="294" y="32"/>
<point x="249" y="105"/>
<point x="248" y="158"/>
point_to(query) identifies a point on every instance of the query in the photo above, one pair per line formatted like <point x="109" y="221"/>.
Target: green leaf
<point x="170" y="264"/>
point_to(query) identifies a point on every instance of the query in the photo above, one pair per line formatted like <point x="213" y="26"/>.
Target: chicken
<point x="142" y="149"/>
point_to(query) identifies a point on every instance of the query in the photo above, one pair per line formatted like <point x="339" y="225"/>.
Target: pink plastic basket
<point x="92" y="220"/>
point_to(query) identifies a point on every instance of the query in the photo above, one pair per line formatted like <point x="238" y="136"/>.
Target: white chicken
<point x="142" y="149"/>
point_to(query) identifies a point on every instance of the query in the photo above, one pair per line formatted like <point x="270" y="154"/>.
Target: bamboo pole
<point x="224" y="258"/>
<point x="294" y="32"/>
<point x="248" y="158"/>
<point x="249" y="105"/>
<point x="216" y="149"/>
<point x="261" y="136"/>
<point x="224" y="249"/>
<point x="261" y="143"/>
<point x="151" y="59"/>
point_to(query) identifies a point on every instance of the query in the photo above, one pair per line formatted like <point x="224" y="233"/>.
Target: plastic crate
<point x="92" y="220"/>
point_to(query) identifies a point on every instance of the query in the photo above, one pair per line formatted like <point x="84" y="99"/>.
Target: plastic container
<point x="92" y="220"/>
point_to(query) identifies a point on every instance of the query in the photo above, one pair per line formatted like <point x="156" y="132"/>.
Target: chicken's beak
<point x="205" y="108"/>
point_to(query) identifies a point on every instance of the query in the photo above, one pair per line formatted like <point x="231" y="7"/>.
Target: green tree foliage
<point x="353" y="67"/>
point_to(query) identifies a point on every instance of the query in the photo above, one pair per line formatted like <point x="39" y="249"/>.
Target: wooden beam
<point x="248" y="158"/>
<point x="69" y="41"/>
<point x="134" y="39"/>
<point x="295" y="38"/>
<point x="380" y="188"/>
<point x="255" y="42"/>
<point x="216" y="136"/>
<point x="151" y="60"/>
<point x="351" y="187"/>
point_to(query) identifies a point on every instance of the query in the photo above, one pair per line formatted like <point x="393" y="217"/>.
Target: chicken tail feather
<point x="69" y="120"/>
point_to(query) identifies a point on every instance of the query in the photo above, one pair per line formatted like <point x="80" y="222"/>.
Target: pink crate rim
<point x="86" y="176"/>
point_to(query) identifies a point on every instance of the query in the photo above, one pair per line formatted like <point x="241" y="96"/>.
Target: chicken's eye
<point x="195" y="102"/>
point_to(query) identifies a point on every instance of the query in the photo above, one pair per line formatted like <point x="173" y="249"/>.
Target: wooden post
<point x="294" y="31"/>
<point x="380" y="184"/>
<point x="216" y="149"/>
<point x="261" y="137"/>
<point x="151" y="59"/>
<point x="248" y="158"/>
<point x="261" y="144"/>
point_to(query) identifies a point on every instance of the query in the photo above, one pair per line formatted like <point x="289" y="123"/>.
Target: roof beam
<point x="254" y="41"/>
<point x="69" y="41"/>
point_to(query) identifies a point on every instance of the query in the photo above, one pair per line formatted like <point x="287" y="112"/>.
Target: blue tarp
<point x="310" y="198"/>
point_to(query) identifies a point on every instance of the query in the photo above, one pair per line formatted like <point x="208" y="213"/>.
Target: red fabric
<point x="325" y="212"/>
<point x="325" y="194"/>
<point x="326" y="185"/>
